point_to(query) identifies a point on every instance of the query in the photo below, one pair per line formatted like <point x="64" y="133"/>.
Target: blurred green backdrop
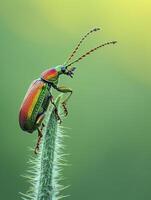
<point x="110" y="110"/>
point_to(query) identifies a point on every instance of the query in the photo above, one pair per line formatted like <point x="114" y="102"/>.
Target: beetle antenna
<point x="89" y="52"/>
<point x="81" y="41"/>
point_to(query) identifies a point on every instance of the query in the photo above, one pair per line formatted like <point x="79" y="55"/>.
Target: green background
<point x="110" y="110"/>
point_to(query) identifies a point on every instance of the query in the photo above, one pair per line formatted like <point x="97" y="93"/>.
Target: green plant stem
<point x="46" y="167"/>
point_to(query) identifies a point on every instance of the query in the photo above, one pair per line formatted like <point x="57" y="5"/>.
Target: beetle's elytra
<point x="38" y="96"/>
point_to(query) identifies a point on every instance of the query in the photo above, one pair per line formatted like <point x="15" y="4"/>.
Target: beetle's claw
<point x="36" y="150"/>
<point x="60" y="121"/>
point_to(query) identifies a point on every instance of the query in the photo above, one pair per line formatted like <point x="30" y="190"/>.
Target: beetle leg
<point x="64" y="90"/>
<point x="38" y="122"/>
<point x="56" y="110"/>
<point x="40" y="118"/>
<point x="64" y="103"/>
<point x="39" y="140"/>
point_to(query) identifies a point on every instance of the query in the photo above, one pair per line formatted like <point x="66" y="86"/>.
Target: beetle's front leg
<point x="64" y="103"/>
<point x="64" y="90"/>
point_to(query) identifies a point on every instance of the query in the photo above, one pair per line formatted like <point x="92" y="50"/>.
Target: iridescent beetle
<point x="38" y="96"/>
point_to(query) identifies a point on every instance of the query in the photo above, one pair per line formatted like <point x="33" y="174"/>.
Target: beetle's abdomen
<point x="29" y="107"/>
<point x="50" y="74"/>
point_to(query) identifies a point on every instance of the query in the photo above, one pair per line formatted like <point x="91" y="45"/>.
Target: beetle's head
<point x="63" y="70"/>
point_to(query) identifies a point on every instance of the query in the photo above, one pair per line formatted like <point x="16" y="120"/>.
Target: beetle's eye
<point x="63" y="69"/>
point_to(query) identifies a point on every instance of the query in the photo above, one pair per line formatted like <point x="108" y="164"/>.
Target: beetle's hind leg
<point x="39" y="122"/>
<point x="39" y="140"/>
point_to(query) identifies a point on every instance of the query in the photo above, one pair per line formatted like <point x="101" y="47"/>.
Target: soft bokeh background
<point x="110" y="110"/>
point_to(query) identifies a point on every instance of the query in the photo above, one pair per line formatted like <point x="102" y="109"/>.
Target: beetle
<point x="38" y="96"/>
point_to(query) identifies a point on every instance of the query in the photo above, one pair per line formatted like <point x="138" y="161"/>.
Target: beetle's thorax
<point x="52" y="74"/>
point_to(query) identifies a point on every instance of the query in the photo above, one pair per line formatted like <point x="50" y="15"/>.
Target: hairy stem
<point x="45" y="171"/>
